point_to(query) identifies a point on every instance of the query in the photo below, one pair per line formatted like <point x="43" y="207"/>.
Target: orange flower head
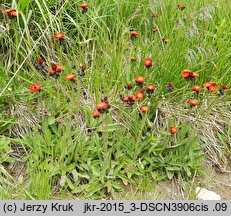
<point x="150" y="88"/>
<point x="139" y="80"/>
<point x="59" y="36"/>
<point x="193" y="102"/>
<point x="173" y="130"/>
<point x="148" y="62"/>
<point x="51" y="71"/>
<point x="155" y="29"/>
<point x="207" y="84"/>
<point x="59" y="68"/>
<point x="132" y="98"/>
<point x="133" y="58"/>
<point x="84" y="6"/>
<point x="213" y="88"/>
<point x="125" y="98"/>
<point x="195" y="75"/>
<point x="154" y="15"/>
<point x="187" y="70"/>
<point x="70" y="77"/>
<point x="35" y="88"/>
<point x="55" y="69"/>
<point x="139" y="95"/>
<point x="8" y="10"/>
<point x="180" y="6"/>
<point x="165" y="40"/>
<point x="134" y="35"/>
<point x="144" y="109"/>
<point x="101" y="107"/>
<point x="189" y="75"/>
<point x="12" y="12"/>
<point x="196" y="88"/>
<point x="186" y="74"/>
<point x="96" y="114"/>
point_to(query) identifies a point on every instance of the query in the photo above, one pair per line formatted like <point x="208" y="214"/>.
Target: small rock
<point x="204" y="194"/>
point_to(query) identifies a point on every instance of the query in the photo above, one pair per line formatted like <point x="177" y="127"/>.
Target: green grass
<point x="62" y="148"/>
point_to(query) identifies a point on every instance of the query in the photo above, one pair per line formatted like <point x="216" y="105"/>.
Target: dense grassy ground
<point x="51" y="145"/>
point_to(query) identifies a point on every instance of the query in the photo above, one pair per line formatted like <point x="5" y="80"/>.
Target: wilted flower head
<point x="222" y="89"/>
<point x="155" y="29"/>
<point x="170" y="87"/>
<point x="82" y="71"/>
<point x="133" y="58"/>
<point x="129" y="86"/>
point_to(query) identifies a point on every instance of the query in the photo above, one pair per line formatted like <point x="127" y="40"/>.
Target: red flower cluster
<point x="211" y="86"/>
<point x="55" y="70"/>
<point x="189" y="75"/>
